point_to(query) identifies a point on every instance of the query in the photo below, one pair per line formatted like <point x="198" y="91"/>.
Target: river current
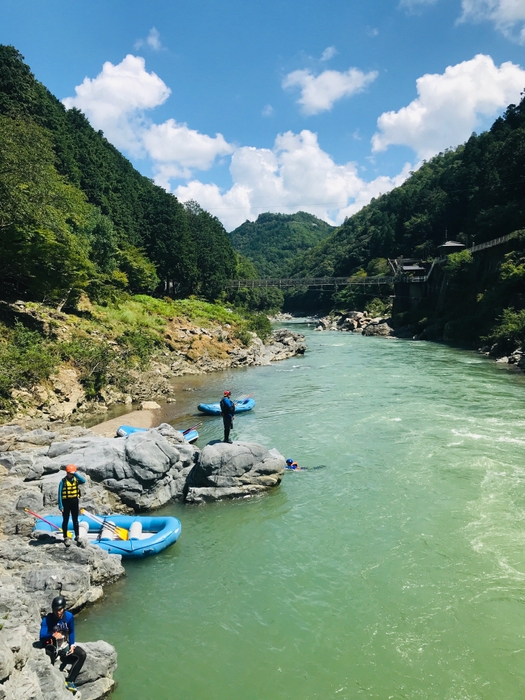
<point x="395" y="571"/>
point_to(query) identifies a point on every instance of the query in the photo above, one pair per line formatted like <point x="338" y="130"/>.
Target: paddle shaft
<point x="35" y="515"/>
<point x="119" y="531"/>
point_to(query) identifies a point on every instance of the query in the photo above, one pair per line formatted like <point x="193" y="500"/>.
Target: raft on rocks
<point x="125" y="430"/>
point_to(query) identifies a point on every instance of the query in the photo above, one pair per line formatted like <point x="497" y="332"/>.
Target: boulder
<point x="232" y="470"/>
<point x="379" y="328"/>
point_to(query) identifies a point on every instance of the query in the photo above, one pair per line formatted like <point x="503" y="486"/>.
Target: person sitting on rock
<point x="57" y="636"/>
<point x="68" y="501"/>
<point x="290" y="464"/>
<point x="227" y="411"/>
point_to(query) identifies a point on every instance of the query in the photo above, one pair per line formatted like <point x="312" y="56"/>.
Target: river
<point x="396" y="571"/>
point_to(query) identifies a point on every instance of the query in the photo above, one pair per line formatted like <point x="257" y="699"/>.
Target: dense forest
<point x="75" y="215"/>
<point x="274" y="242"/>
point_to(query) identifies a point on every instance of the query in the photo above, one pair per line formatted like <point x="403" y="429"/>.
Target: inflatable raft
<point x="214" y="409"/>
<point x="147" y="535"/>
<point x="125" y="430"/>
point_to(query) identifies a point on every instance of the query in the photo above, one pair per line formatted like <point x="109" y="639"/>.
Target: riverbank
<point x="67" y="367"/>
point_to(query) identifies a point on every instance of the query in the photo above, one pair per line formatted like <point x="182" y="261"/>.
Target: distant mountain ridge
<point x="274" y="243"/>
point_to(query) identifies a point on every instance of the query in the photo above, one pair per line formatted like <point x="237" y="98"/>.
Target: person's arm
<point x="60" y="484"/>
<point x="71" y="625"/>
<point x="81" y="478"/>
<point x="45" y="634"/>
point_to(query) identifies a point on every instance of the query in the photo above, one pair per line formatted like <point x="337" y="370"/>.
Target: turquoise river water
<point x="398" y="571"/>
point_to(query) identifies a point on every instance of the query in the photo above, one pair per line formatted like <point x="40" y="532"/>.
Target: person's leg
<point x="65" y="516"/>
<point x="76" y="659"/>
<point x="51" y="651"/>
<point x="227" y="425"/>
<point x="74" y="516"/>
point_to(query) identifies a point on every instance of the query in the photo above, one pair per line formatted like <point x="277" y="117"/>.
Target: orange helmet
<point x="71" y="468"/>
<point x="227" y="393"/>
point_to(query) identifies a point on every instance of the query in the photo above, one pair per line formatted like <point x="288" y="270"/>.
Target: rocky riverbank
<point x="108" y="364"/>
<point x="142" y="471"/>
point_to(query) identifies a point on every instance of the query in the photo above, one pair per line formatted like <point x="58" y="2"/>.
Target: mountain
<point x="75" y="215"/>
<point x="472" y="194"/>
<point x="275" y="242"/>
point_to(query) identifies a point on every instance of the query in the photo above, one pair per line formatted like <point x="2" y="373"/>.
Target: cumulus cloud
<point x="295" y="174"/>
<point x="507" y="15"/>
<point x="116" y="99"/>
<point x="450" y="106"/>
<point x="319" y="93"/>
<point x="171" y="144"/>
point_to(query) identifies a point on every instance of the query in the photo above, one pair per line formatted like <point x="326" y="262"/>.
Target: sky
<point x="250" y="106"/>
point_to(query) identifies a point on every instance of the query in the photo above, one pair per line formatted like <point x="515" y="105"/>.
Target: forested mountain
<point x="274" y="242"/>
<point x="472" y="194"/>
<point x="75" y="214"/>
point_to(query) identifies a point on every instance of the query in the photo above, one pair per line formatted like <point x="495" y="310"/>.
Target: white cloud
<point x="115" y="100"/>
<point x="295" y="174"/>
<point x="449" y="106"/>
<point x="329" y="53"/>
<point x="507" y="15"/>
<point x="173" y="144"/>
<point x="152" y="40"/>
<point x="319" y="93"/>
<point x="268" y="111"/>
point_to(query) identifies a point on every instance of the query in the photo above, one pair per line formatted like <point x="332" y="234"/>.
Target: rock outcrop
<point x="234" y="470"/>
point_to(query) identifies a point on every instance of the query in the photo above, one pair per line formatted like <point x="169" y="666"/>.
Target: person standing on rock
<point x="227" y="411"/>
<point x="57" y="636"/>
<point x="68" y="501"/>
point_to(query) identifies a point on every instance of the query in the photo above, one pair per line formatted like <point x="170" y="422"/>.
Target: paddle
<point x="242" y="399"/>
<point x="194" y="427"/>
<point x="119" y="531"/>
<point x="35" y="515"/>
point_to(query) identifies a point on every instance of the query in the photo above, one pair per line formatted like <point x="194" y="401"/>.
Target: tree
<point x="40" y="213"/>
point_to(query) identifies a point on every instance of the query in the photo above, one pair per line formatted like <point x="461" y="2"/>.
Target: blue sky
<point x="263" y="105"/>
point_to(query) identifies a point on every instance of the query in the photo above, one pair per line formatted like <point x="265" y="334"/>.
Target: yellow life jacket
<point x="70" y="489"/>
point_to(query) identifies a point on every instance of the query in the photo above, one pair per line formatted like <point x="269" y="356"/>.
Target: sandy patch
<point x="137" y="419"/>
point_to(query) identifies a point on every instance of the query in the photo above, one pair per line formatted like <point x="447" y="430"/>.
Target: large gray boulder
<point x="232" y="470"/>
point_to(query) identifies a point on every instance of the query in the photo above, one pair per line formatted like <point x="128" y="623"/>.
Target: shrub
<point x="92" y="359"/>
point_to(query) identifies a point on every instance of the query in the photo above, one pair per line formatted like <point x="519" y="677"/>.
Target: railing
<point x="347" y="281"/>
<point x="307" y="282"/>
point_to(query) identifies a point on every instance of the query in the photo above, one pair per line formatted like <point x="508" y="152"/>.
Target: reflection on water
<point x="395" y="572"/>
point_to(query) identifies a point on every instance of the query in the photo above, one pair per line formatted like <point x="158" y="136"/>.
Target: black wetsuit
<point x="66" y="626"/>
<point x="227" y="411"/>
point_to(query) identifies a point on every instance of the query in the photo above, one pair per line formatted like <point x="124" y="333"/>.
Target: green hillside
<point x="472" y="194"/>
<point x="275" y="242"/>
<point x="75" y="215"/>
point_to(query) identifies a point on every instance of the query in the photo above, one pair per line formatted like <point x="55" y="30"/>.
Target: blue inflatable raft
<point x="147" y="535"/>
<point x="125" y="430"/>
<point x="214" y="409"/>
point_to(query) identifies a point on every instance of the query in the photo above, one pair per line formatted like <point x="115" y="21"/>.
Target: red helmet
<point x="227" y="393"/>
<point x="71" y="468"/>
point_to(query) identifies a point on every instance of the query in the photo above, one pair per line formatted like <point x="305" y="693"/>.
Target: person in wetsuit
<point x="68" y="500"/>
<point x="290" y="464"/>
<point x="57" y="636"/>
<point x="227" y="412"/>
